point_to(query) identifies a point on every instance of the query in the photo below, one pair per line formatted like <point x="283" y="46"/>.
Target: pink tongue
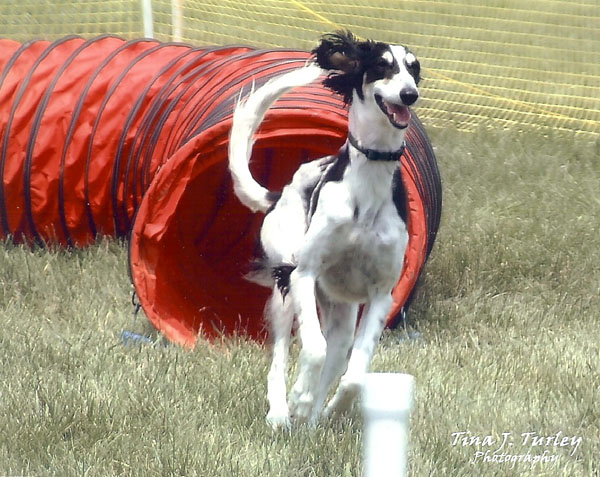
<point x="401" y="114"/>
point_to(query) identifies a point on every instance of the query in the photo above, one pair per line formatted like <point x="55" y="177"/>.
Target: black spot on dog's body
<point x="333" y="173"/>
<point x="281" y="275"/>
<point x="399" y="196"/>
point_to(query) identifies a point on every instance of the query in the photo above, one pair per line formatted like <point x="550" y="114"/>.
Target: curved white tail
<point x="247" y="117"/>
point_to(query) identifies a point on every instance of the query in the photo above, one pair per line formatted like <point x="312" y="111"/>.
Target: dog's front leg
<point x="339" y="326"/>
<point x="314" y="347"/>
<point x="368" y="334"/>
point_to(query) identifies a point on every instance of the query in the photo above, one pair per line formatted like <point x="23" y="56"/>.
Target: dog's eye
<point x="414" y="68"/>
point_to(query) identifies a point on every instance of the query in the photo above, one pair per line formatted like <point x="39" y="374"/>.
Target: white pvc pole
<point x="147" y="19"/>
<point x="176" y="20"/>
<point x="387" y="401"/>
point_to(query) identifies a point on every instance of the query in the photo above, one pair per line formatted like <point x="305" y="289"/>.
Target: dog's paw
<point x="301" y="407"/>
<point x="343" y="399"/>
<point x="279" y="421"/>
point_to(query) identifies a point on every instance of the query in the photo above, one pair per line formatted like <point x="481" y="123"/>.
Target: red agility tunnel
<point x="129" y="138"/>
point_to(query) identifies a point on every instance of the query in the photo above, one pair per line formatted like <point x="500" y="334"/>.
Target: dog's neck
<point x="374" y="154"/>
<point x="370" y="182"/>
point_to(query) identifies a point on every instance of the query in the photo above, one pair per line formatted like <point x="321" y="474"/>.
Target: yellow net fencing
<point x="499" y="64"/>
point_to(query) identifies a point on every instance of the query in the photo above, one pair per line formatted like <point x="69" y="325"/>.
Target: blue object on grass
<point x="130" y="338"/>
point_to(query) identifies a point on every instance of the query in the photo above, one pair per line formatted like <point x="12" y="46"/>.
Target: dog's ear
<point x="338" y="51"/>
<point x="342" y="62"/>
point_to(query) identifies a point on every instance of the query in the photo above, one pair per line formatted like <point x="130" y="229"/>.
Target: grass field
<point x="507" y="314"/>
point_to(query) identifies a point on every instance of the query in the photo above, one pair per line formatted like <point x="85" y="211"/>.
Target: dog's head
<point x="375" y="71"/>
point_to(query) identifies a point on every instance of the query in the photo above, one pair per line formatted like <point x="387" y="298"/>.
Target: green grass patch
<point x="507" y="315"/>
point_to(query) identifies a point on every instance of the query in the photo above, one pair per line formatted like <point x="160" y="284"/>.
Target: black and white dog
<point x="335" y="237"/>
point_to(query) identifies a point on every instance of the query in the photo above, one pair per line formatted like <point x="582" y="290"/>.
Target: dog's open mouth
<point x="398" y="114"/>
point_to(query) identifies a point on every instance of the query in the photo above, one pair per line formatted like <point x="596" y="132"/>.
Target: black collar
<point x="373" y="155"/>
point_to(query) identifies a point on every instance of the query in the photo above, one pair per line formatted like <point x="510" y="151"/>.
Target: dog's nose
<point x="409" y="96"/>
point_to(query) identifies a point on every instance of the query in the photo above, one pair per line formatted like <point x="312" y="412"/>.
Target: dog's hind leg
<point x="280" y="317"/>
<point x="368" y="334"/>
<point x="339" y="326"/>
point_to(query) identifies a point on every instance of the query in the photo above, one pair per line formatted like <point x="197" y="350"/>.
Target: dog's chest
<point x="364" y="256"/>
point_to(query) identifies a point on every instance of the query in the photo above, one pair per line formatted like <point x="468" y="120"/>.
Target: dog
<point x="335" y="237"/>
